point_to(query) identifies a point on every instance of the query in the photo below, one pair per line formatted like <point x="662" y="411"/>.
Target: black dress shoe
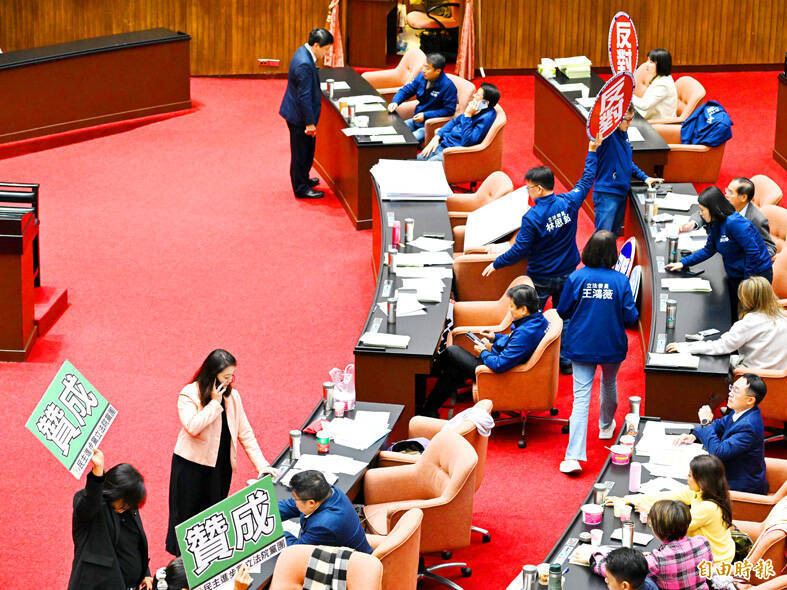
<point x="314" y="181"/>
<point x="311" y="194"/>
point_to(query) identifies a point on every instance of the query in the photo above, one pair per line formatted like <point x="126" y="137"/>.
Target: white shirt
<point x="736" y="415"/>
<point x="659" y="101"/>
<point x="314" y="57"/>
<point x="743" y="211"/>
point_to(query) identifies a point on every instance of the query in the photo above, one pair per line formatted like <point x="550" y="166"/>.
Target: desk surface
<point x="25" y="57"/>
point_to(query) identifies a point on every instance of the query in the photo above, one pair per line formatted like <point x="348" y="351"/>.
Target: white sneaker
<point x="570" y="466"/>
<point x="607" y="433"/>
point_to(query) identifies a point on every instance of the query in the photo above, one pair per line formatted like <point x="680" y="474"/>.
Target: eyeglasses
<point x="735" y="391"/>
<point x="628" y="119"/>
<point x="532" y="186"/>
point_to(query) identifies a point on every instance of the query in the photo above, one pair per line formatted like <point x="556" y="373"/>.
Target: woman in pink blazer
<point x="205" y="456"/>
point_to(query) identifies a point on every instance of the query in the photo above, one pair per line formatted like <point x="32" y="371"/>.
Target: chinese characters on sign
<point x="610" y="106"/>
<point x="622" y="44"/>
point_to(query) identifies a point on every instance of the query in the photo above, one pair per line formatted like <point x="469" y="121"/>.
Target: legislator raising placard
<point x="611" y="104"/>
<point x="71" y="419"/>
<point x="622" y="44"/>
<point x="244" y="528"/>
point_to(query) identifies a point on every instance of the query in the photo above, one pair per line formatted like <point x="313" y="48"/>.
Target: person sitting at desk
<point x="735" y="238"/>
<point x="499" y="352"/>
<point x="737" y="438"/>
<point x="327" y="517"/>
<point x="660" y="100"/>
<point x="548" y="236"/>
<point x="759" y="336"/>
<point x="623" y="568"/>
<point x="740" y="192"/>
<point x="708" y="499"/>
<point x="435" y="92"/>
<point x="469" y="128"/>
<point x="173" y="577"/>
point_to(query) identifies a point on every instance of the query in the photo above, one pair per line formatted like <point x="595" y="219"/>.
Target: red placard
<point x="622" y="44"/>
<point x="611" y="104"/>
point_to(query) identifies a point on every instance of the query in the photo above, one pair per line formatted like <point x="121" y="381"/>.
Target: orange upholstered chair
<point x="364" y="572"/>
<point x="780" y="277"/>
<point x="464" y="92"/>
<point x="766" y="191"/>
<point x="769" y="538"/>
<point x="476" y="162"/>
<point x="689" y="162"/>
<point x="388" y="82"/>
<point x="399" y="551"/>
<point x="690" y="95"/>
<point x="530" y="387"/>
<point x="441" y="483"/>
<point x="469" y="285"/>
<point x="756" y="507"/>
<point x="774" y="406"/>
<point x="460" y="205"/>
<point x="777" y="221"/>
<point x="777" y="583"/>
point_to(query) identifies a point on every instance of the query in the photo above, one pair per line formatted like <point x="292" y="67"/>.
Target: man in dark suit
<point x="300" y="107"/>
<point x="737" y="438"/>
<point x="740" y="193"/>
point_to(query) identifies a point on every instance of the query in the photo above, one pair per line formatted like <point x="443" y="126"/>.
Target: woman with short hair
<point x="660" y="100"/>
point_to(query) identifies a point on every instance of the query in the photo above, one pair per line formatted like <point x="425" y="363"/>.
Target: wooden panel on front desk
<point x="780" y="142"/>
<point x="367" y="28"/>
<point x="17" y="321"/>
<point x="679" y="395"/>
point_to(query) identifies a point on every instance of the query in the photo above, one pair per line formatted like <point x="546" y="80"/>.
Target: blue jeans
<point x="417" y="128"/>
<point x="435" y="156"/>
<point x="547" y="287"/>
<point x="610" y="210"/>
<point x="578" y="423"/>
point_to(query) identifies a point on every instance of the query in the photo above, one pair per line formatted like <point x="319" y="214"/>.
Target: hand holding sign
<point x="98" y="463"/>
<point x="610" y="106"/>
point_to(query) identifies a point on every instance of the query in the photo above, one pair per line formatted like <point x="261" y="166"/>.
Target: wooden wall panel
<point x="229" y="35"/>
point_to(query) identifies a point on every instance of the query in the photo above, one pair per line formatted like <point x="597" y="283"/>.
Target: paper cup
<point x="595" y="537"/>
<point x="621" y="454"/>
<point x="592" y="514"/>
<point x="625" y="512"/>
<point x="627" y="440"/>
<point x="543" y="573"/>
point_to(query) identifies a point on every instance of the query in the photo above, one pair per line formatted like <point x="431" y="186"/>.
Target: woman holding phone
<point x="213" y="421"/>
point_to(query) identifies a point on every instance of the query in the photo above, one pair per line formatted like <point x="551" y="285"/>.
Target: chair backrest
<point x="690" y="94"/>
<point x="774" y="405"/>
<point x="777" y="220"/>
<point x="399" y="552"/>
<point x="364" y="572"/>
<point x="464" y="92"/>
<point x="780" y="274"/>
<point x="497" y="128"/>
<point x="776" y="474"/>
<point x="766" y="191"/>
<point x="494" y="186"/>
<point x="411" y="63"/>
<point x="770" y="543"/>
<point x="467" y="430"/>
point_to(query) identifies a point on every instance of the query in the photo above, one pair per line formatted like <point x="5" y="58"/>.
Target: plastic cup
<point x="625" y="513"/>
<point x="595" y="537"/>
<point x="543" y="573"/>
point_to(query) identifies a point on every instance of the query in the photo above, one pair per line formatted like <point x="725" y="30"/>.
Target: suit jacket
<point x="302" y="99"/>
<point x="94" y="529"/>
<point x="740" y="447"/>
<point x="758" y="220"/>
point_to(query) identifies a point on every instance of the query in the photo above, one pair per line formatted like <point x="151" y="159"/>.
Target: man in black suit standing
<point x="300" y="107"/>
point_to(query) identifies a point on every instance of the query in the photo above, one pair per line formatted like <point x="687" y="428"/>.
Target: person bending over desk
<point x="469" y="128"/>
<point x="660" y="100"/>
<point x="173" y="577"/>
<point x="708" y="498"/>
<point x="737" y="438"/>
<point x="435" y="92"/>
<point x="499" y="352"/>
<point x="327" y="517"/>
<point x="548" y="236"/>
<point x="623" y="568"/>
<point x="759" y="336"/>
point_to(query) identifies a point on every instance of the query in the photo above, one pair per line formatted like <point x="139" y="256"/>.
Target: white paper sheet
<point x="496" y="219"/>
<point x="635" y="134"/>
<point x="672" y="359"/>
<point x="363" y="99"/>
<point x="411" y="180"/>
<point x="639" y="538"/>
<point x="350" y="131"/>
<point x="385" y="340"/>
<point x="361" y="432"/>
<point x="337" y="85"/>
<point x="674" y="202"/>
<point x="687" y="285"/>
<point x="406" y="304"/>
<point x="422" y="259"/>
<point x="586" y="103"/>
<point x="331" y="464"/>
<point x="371" y="107"/>
<point x="431" y="244"/>
<point x="412" y="272"/>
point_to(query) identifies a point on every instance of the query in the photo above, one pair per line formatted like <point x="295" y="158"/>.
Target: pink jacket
<point x="198" y="440"/>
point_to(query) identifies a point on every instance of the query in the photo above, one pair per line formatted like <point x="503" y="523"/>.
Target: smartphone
<point x="475" y="339"/>
<point x="483" y="104"/>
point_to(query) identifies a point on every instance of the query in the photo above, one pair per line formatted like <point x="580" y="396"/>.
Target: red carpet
<point x="180" y="235"/>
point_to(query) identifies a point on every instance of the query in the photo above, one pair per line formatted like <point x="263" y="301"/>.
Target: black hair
<point x="627" y="565"/>
<point x="205" y="377"/>
<point x="713" y="200"/>
<point x="123" y="482"/>
<point x="708" y="472"/>
<point x="745" y="187"/>
<point x="663" y="61"/>
<point x="176" y="574"/>
<point x="436" y="60"/>
<point x="524" y="296"/>
<point x="542" y="176"/>
<point x="320" y="36"/>
<point x="669" y="519"/>
<point x="310" y="485"/>
<point x="757" y="387"/>
<point x="491" y="94"/>
<point x="601" y="251"/>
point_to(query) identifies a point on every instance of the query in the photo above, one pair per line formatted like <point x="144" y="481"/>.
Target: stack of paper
<point x="350" y="131"/>
<point x="574" y="67"/>
<point x="330" y="464"/>
<point x="676" y="201"/>
<point x="361" y="432"/>
<point x="547" y="67"/>
<point x="411" y="180"/>
<point x="660" y="484"/>
<point x="429" y="290"/>
<point x="687" y="285"/>
<point x="635" y="134"/>
<point x="673" y="461"/>
<point x="385" y="340"/>
<point x="407" y="304"/>
<point x="496" y="219"/>
<point x="363" y="99"/>
<point x="587" y="103"/>
<point x="369" y="107"/>
<point x="434" y="272"/>
<point x="431" y="244"/>
<point x="331" y="478"/>
<point x="675" y="360"/>
<point x="337" y="85"/>
<point x="422" y="259"/>
<point x="654" y="436"/>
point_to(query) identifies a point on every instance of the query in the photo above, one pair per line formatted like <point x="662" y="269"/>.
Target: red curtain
<point x="335" y="56"/>
<point x="465" y="58"/>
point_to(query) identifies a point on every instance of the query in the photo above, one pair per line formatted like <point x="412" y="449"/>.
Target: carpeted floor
<point x="180" y="235"/>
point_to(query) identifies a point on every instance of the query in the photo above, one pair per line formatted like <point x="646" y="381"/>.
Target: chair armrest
<point x="767" y="373"/>
<point x="751" y="507"/>
<point x="469" y="285"/>
<point x="477" y="313"/>
<point x="390" y="484"/>
<point x="667" y="121"/>
<point x="384" y="79"/>
<point x="459" y="238"/>
<point x="753" y="529"/>
<point x="433" y="125"/>
<point x="424" y="427"/>
<point x="406" y="110"/>
<point x="458" y="204"/>
<point x="778" y="583"/>
<point x="689" y="147"/>
<point x="669" y="133"/>
<point x="393" y="459"/>
<point x="374" y="540"/>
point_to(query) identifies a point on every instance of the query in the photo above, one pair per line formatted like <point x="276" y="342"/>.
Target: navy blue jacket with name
<point x="600" y="304"/>
<point x="548" y="236"/>
<point x="439" y="100"/>
<point x="302" y="99"/>
<point x="615" y="165"/>
<point x="740" y="245"/>
<point x="740" y="447"/>
<point x="515" y="348"/>
<point x="335" y="523"/>
<point x="465" y="131"/>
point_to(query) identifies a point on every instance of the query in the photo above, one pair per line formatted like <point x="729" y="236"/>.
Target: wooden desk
<point x="780" y="142"/>
<point x="367" y="32"/>
<point x="342" y="161"/>
<point x="91" y="82"/>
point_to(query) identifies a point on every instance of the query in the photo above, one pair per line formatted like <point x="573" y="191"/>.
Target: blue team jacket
<point x="464" y="131"/>
<point x="437" y="101"/>
<point x="334" y="523"/>
<point x="600" y="303"/>
<point x="548" y="236"/>
<point x="615" y="165"/>
<point x="740" y="447"/>
<point x="302" y="99"/>
<point x="740" y="245"/>
<point x="515" y="348"/>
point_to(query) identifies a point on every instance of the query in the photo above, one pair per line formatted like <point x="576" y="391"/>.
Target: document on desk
<point x="639" y="538"/>
<point x="673" y="202"/>
<point x="407" y="304"/>
<point x="573" y="87"/>
<point x="370" y="107"/>
<point x="496" y="219"/>
<point x="363" y="99"/>
<point x="673" y="462"/>
<point x="360" y="432"/>
<point x="674" y="360"/>
<point x="373" y="131"/>
<point x="337" y="85"/>
<point x="691" y="243"/>
<point x="330" y="464"/>
<point x="660" y="484"/>
<point x="417" y="272"/>
<point x="411" y="180"/>
<point x="285" y="480"/>
<point x="687" y="285"/>
<point x="587" y="103"/>
<point x="431" y="244"/>
<point x="381" y="340"/>
<point x="654" y="435"/>
<point x="635" y="134"/>
<point x="422" y="259"/>
<point x="426" y="290"/>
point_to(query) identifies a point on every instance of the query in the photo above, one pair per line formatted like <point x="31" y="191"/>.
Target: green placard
<point x="71" y="419"/>
<point x="244" y="528"/>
